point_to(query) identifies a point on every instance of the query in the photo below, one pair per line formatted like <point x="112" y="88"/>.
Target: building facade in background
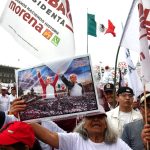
<point x="7" y="74"/>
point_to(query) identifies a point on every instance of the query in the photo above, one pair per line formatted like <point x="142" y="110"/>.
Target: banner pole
<point x="118" y="49"/>
<point x="87" y="30"/>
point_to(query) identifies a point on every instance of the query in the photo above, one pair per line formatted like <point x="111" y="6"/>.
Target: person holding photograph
<point x="93" y="133"/>
<point x="74" y="88"/>
<point x="48" y="85"/>
<point x="13" y="114"/>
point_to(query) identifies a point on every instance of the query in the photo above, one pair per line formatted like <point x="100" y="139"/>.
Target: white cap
<point x="4" y="88"/>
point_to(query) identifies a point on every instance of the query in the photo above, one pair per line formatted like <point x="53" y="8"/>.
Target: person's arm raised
<point x="46" y="135"/>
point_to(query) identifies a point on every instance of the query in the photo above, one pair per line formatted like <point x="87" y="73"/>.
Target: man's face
<point x="13" y="92"/>
<point x="109" y="96"/>
<point x="73" y="78"/>
<point x="4" y="91"/>
<point x="125" y="100"/>
<point x="142" y="109"/>
<point x="95" y="124"/>
<point x="48" y="80"/>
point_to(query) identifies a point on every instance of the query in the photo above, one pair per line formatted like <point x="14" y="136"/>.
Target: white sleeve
<point x="67" y="141"/>
<point x="10" y="118"/>
<point x="122" y="145"/>
<point x="52" y="126"/>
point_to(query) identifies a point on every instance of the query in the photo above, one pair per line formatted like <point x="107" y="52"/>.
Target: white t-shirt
<point x="124" y="118"/>
<point x="76" y="90"/>
<point x="50" y="125"/>
<point x="50" y="91"/>
<point x="73" y="141"/>
<point x="11" y="97"/>
<point x="9" y="119"/>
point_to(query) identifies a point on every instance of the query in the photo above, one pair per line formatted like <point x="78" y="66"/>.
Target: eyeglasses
<point x="126" y="94"/>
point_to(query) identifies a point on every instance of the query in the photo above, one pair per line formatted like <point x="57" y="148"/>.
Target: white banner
<point x="144" y="18"/>
<point x="133" y="79"/>
<point x="42" y="27"/>
<point x="137" y="34"/>
<point x="131" y="35"/>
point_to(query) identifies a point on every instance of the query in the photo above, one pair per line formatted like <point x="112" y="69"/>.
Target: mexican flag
<point x="93" y="28"/>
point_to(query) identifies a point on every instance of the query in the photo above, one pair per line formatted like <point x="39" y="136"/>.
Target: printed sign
<point x="43" y="27"/>
<point x="59" y="89"/>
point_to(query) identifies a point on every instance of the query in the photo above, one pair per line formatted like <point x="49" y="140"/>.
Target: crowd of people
<point x="118" y="125"/>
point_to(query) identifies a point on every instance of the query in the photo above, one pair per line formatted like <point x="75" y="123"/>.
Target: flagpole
<point x="118" y="49"/>
<point x="145" y="108"/>
<point x="87" y="44"/>
<point x="87" y="31"/>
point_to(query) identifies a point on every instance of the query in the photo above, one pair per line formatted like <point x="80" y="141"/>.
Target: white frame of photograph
<point x="57" y="99"/>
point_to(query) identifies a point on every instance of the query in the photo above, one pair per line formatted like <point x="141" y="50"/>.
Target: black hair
<point x="22" y="146"/>
<point x="18" y="146"/>
<point x="141" y="95"/>
<point x="36" y="145"/>
<point x="2" y="118"/>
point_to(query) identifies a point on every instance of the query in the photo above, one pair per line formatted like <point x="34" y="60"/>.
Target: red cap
<point x="18" y="132"/>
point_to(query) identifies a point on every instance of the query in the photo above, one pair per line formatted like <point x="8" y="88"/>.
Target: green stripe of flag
<point x="91" y="25"/>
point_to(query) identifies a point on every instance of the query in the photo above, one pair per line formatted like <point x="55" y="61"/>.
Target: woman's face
<point x="95" y="124"/>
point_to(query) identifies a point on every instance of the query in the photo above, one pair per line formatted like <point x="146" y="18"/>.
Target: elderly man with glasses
<point x="124" y="113"/>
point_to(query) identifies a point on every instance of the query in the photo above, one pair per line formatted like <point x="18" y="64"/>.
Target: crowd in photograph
<point x="48" y="107"/>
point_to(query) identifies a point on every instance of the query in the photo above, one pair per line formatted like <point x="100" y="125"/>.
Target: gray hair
<point x="110" y="135"/>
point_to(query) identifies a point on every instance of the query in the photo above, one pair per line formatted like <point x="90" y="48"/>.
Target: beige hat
<point x="99" y="112"/>
<point x="147" y="96"/>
